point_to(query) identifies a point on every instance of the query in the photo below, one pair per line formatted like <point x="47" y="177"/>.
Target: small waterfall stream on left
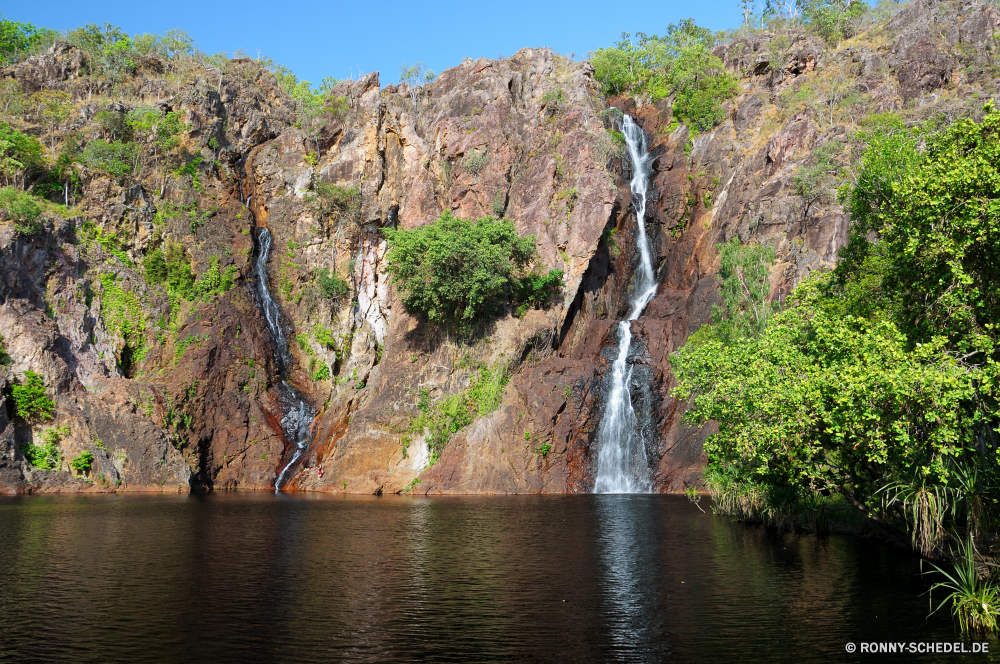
<point x="297" y="413"/>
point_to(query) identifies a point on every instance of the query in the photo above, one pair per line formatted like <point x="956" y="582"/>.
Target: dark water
<point x="259" y="577"/>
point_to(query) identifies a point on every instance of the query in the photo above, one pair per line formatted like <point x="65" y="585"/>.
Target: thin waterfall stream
<point x="298" y="415"/>
<point x="622" y="465"/>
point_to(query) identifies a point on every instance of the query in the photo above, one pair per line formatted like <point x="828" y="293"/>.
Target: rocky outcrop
<point x="187" y="393"/>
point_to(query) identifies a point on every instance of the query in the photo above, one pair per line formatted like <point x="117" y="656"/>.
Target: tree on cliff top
<point x="459" y="273"/>
<point x="16" y="39"/>
<point x="681" y="63"/>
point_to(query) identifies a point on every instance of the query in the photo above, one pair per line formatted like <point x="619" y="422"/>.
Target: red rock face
<point x="525" y="137"/>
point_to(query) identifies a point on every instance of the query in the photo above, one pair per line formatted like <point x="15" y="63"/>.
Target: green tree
<point x="83" y="462"/>
<point x="21" y="208"/>
<point x="459" y="273"/>
<point x="743" y="287"/>
<point x="680" y="63"/>
<point x="53" y="107"/>
<point x="31" y="399"/>
<point x="16" y="39"/>
<point x="119" y="159"/>
<point x="415" y="75"/>
<point x="880" y="380"/>
<point x="18" y="153"/>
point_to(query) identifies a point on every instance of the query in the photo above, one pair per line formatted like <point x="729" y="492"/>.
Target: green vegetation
<point x="31" y="400"/>
<point x="83" y="462"/>
<point x="172" y="269"/>
<point x="122" y="312"/>
<point x="415" y="75"/>
<point x="47" y="456"/>
<point x="975" y="603"/>
<point x="459" y="273"/>
<point x="111" y="243"/>
<point x="18" y="39"/>
<point x="879" y="381"/>
<point x="21" y="208"/>
<point x="440" y="420"/>
<point x="681" y="63"/>
<point x="5" y="358"/>
<point x="331" y="285"/>
<point x="331" y="199"/>
<point x="19" y="153"/>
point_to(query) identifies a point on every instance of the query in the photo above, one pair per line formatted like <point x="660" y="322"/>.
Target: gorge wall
<point x="173" y="395"/>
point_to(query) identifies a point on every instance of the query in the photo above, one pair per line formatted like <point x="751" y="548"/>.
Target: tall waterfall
<point x="622" y="466"/>
<point x="298" y="415"/>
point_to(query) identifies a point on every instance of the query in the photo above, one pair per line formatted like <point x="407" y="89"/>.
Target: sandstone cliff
<point x="527" y="138"/>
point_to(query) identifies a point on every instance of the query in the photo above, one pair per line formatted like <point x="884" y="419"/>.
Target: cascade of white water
<point x="622" y="466"/>
<point x="297" y="416"/>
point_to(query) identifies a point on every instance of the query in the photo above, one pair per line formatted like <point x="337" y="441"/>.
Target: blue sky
<point x="317" y="39"/>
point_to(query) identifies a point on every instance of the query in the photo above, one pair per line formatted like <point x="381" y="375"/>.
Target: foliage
<point x="322" y="372"/>
<point x="880" y="380"/>
<point x="5" y="358"/>
<point x="331" y="285"/>
<point x="459" y="273"/>
<point x="16" y="39"/>
<point x="118" y="159"/>
<point x="817" y="176"/>
<point x="475" y="161"/>
<point x="172" y="269"/>
<point x="46" y="457"/>
<point x="975" y="602"/>
<point x="18" y="153"/>
<point x="215" y="282"/>
<point x="123" y="313"/>
<point x="52" y="107"/>
<point x="83" y="462"/>
<point x="111" y="243"/>
<point x="415" y="75"/>
<point x="681" y="63"/>
<point x="449" y="415"/>
<point x="21" y="208"/>
<point x="833" y="20"/>
<point x="328" y="199"/>
<point x="110" y="51"/>
<point x="31" y="399"/>
<point x="743" y="287"/>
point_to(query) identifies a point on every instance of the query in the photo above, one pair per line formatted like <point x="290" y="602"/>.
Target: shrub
<point x="333" y="199"/>
<point x="215" y="282"/>
<point x="83" y="462"/>
<point x="331" y="285"/>
<point x="680" y="62"/>
<point x="19" y="153"/>
<point x="123" y="313"/>
<point x="116" y="158"/>
<point x="439" y="421"/>
<point x="46" y="457"/>
<point x="16" y="39"/>
<point x="21" y="208"/>
<point x="459" y="273"/>
<point x="323" y="372"/>
<point x="475" y="161"/>
<point x="31" y="399"/>
<point x="172" y="269"/>
<point x="5" y="359"/>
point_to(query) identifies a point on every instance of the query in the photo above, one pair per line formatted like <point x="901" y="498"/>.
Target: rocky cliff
<point x="171" y="393"/>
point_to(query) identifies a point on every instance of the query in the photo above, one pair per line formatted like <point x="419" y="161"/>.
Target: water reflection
<point x="248" y="577"/>
<point x="628" y="546"/>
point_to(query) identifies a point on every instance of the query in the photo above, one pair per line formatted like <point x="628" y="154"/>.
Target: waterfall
<point x="622" y="466"/>
<point x="298" y="415"/>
